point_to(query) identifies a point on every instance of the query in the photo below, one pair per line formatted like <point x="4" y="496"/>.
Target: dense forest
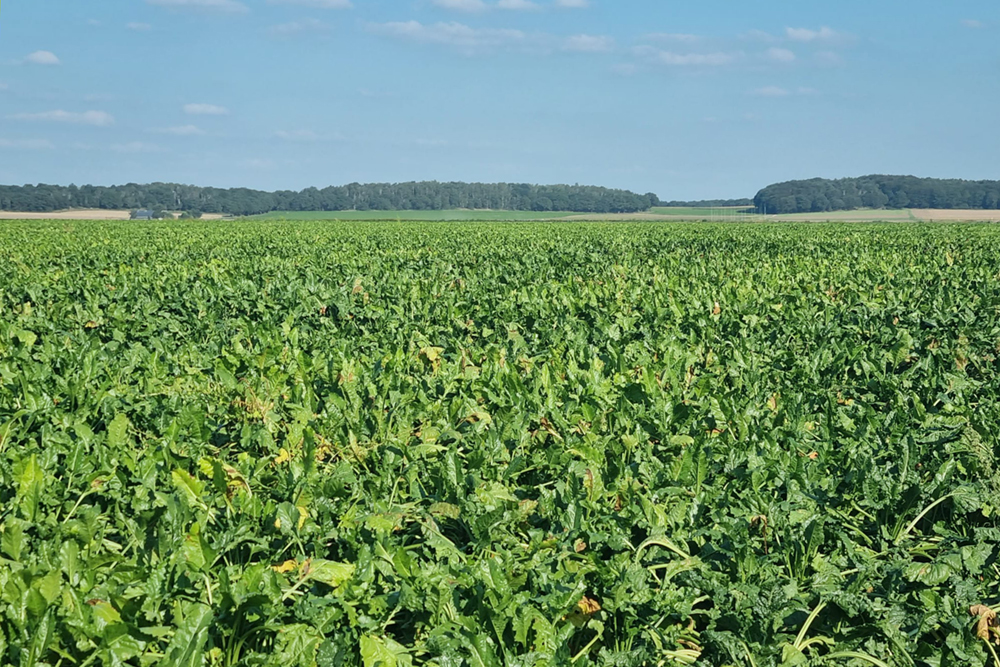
<point x="425" y="196"/>
<point x="845" y="194"/>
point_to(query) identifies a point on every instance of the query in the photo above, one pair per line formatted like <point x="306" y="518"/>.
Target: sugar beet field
<point x="395" y="444"/>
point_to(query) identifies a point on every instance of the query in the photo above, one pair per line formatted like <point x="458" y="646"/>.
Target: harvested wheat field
<point x="942" y="215"/>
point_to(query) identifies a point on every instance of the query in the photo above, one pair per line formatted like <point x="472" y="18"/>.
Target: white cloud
<point x="462" y="5"/>
<point x="672" y="37"/>
<point x="181" y="131"/>
<point x="139" y="27"/>
<point x="824" y="34"/>
<point x="315" y="4"/>
<point x="472" y="41"/>
<point x="297" y="27"/>
<point x="205" y="110"/>
<point x="778" y="91"/>
<point x="27" y="144"/>
<point x="973" y="23"/>
<point x="573" y="4"/>
<point x="625" y="69"/>
<point x="518" y="5"/>
<point x="42" y="58"/>
<point x="93" y="22"/>
<point x="96" y="118"/>
<point x="759" y="35"/>
<point x="674" y="59"/>
<point x="589" y="44"/>
<point x="136" y="147"/>
<point x="220" y="6"/>
<point x="455" y="35"/>
<point x="3" y="86"/>
<point x="779" y="55"/>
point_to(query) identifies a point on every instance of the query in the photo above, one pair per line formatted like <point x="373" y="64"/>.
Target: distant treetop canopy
<point x="877" y="191"/>
<point x="425" y="196"/>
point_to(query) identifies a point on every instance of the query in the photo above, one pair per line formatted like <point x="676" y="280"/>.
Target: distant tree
<point x="429" y="195"/>
<point x="878" y="191"/>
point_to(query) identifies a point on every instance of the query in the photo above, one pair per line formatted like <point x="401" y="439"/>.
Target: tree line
<point x="877" y="191"/>
<point x="422" y="196"/>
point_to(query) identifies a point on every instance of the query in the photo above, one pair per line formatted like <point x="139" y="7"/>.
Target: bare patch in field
<point x="942" y="215"/>
<point x="81" y="214"/>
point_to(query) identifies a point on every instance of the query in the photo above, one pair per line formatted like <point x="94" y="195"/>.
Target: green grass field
<point x="307" y="444"/>
<point x="696" y="213"/>
<point x="459" y="215"/>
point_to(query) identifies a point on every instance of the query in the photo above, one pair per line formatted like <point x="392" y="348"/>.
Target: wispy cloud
<point x="473" y="41"/>
<point x="218" y="6"/>
<point x="455" y="35"/>
<point x="139" y="27"/>
<point x="772" y="91"/>
<point x="315" y="4"/>
<point x="298" y="27"/>
<point x="573" y="4"/>
<point x="672" y="37"/>
<point x="518" y="5"/>
<point x="589" y="44"/>
<point x="824" y="34"/>
<point x="205" y="110"/>
<point x="778" y="91"/>
<point x="136" y="147"/>
<point x="973" y="23"/>
<point x="95" y="118"/>
<point x="27" y="144"/>
<point x="471" y="6"/>
<point x="181" y="131"/>
<point x="676" y="59"/>
<point x="760" y="36"/>
<point x="42" y="58"/>
<point x="829" y="58"/>
<point x="780" y="55"/>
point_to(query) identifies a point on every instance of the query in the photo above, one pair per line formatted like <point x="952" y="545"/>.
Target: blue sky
<point x="686" y="99"/>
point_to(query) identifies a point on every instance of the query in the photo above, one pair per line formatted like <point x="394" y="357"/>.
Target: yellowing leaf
<point x="588" y="605"/>
<point x="284" y="456"/>
<point x="286" y="567"/>
<point x="432" y="354"/>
